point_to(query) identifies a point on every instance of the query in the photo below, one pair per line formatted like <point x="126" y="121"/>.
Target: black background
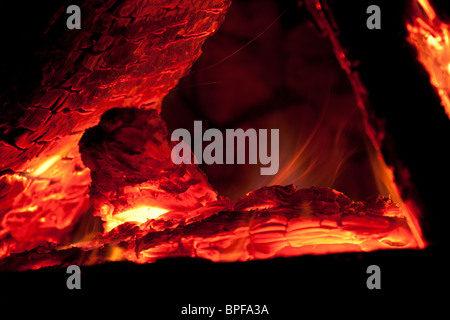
<point x="292" y="288"/>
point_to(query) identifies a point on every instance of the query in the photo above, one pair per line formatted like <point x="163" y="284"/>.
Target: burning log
<point x="280" y="222"/>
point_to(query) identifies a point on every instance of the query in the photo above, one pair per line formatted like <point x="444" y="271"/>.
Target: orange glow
<point x="427" y="8"/>
<point x="49" y="195"/>
<point x="137" y="215"/>
<point x="430" y="37"/>
<point x="386" y="185"/>
<point x="45" y="166"/>
<point x="285" y="232"/>
<point x="261" y="225"/>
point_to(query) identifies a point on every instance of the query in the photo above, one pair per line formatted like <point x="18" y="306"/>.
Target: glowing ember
<point x="44" y="184"/>
<point x="307" y="221"/>
<point x="430" y="36"/>
<point x="120" y="170"/>
<point x="43" y="203"/>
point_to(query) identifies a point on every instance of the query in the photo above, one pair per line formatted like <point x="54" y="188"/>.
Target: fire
<point x="45" y="200"/>
<point x="307" y="221"/>
<point x="152" y="209"/>
<point x="386" y="184"/>
<point x="137" y="215"/>
<point x="115" y="254"/>
<point x="430" y="36"/>
<point x="45" y="166"/>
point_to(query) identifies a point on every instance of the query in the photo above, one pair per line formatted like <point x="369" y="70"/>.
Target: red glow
<point x="430" y="36"/>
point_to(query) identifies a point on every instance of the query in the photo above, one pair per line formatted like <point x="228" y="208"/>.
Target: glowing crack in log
<point x="57" y="160"/>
